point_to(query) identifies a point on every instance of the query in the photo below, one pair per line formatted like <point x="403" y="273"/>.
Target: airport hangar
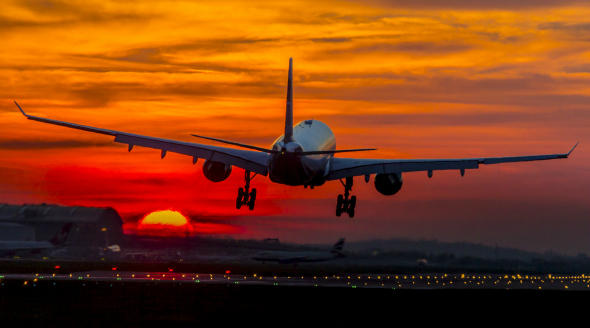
<point x="75" y="227"/>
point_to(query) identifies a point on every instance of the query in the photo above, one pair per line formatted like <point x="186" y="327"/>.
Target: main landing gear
<point x="344" y="203"/>
<point x="245" y="195"/>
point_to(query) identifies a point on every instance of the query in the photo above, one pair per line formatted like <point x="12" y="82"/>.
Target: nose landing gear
<point x="344" y="203"/>
<point x="245" y="195"/>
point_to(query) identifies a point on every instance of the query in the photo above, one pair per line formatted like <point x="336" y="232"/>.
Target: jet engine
<point x="216" y="171"/>
<point x="388" y="184"/>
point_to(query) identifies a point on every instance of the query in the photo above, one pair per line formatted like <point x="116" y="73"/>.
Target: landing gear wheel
<point x="339" y="205"/>
<point x="351" y="212"/>
<point x="252" y="201"/>
<point x="240" y="198"/>
<point x="352" y="203"/>
<point x="346" y="203"/>
<point x="351" y="206"/>
<point x="245" y="195"/>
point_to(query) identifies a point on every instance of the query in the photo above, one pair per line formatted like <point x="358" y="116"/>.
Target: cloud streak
<point x="27" y="145"/>
<point x="473" y="4"/>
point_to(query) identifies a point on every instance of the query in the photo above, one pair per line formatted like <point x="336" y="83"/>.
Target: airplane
<point x="302" y="156"/>
<point x="286" y="257"/>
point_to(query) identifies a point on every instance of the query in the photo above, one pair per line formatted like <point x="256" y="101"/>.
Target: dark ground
<point x="76" y="303"/>
<point x="130" y="304"/>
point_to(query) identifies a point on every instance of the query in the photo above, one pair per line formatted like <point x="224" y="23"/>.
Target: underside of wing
<point x="348" y="167"/>
<point x="249" y="160"/>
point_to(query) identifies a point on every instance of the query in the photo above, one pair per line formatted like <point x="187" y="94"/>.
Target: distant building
<point x="63" y="226"/>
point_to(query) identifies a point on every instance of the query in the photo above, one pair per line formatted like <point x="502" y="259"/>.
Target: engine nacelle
<point x="216" y="171"/>
<point x="388" y="184"/>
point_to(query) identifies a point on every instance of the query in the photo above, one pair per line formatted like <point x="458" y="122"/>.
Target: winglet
<point x="21" y="110"/>
<point x="571" y="150"/>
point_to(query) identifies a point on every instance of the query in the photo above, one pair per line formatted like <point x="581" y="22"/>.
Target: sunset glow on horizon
<point x="415" y="79"/>
<point x="170" y="223"/>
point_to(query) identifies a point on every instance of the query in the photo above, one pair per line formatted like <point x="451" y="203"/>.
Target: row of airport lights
<point x="443" y="279"/>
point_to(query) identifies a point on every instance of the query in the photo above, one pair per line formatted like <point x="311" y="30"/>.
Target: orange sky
<point x="412" y="78"/>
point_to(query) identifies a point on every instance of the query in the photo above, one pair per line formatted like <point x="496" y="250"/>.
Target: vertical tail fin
<point x="288" y="137"/>
<point x="337" y="248"/>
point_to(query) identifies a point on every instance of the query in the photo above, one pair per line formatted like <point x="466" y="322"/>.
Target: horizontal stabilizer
<point x="236" y="144"/>
<point x="323" y="152"/>
<point x="270" y="151"/>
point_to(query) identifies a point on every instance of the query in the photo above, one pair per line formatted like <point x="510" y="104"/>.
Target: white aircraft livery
<point x="302" y="156"/>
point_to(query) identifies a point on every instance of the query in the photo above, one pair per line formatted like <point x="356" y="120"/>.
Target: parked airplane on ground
<point x="286" y="257"/>
<point x="303" y="155"/>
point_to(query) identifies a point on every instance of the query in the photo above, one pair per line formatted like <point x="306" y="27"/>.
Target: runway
<point x="144" y="299"/>
<point x="397" y="281"/>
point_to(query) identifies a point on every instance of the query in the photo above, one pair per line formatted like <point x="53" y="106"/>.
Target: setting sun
<point x="167" y="217"/>
<point x="165" y="223"/>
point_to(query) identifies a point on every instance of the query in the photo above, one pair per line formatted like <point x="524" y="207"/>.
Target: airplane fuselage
<point x="289" y="168"/>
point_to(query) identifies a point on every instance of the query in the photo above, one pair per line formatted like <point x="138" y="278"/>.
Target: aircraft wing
<point x="249" y="160"/>
<point x="348" y="167"/>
